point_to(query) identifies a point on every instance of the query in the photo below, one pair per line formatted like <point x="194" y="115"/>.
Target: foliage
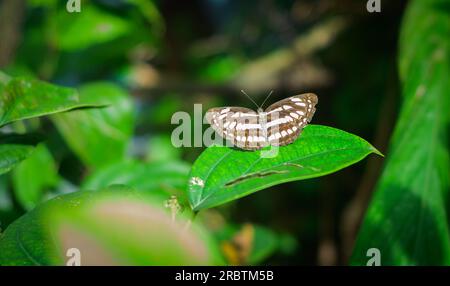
<point x="30" y="192"/>
<point x="24" y="98"/>
<point x="407" y="219"/>
<point x="101" y="136"/>
<point x="14" y="148"/>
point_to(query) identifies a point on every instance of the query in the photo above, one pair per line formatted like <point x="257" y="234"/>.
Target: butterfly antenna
<point x="249" y="97"/>
<point x="270" y="93"/>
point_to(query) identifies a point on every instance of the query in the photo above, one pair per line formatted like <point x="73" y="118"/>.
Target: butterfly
<point x="280" y="124"/>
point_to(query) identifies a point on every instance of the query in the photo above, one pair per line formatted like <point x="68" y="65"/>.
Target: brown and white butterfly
<point x="280" y="124"/>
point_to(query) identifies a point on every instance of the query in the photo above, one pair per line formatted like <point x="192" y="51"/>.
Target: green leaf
<point x="92" y="26"/>
<point x="101" y="136"/>
<point x="408" y="212"/>
<point x="165" y="177"/>
<point x="29" y="188"/>
<point x="14" y="148"/>
<point x="116" y="226"/>
<point x="223" y="174"/>
<point x="150" y="11"/>
<point x="22" y="98"/>
<point x="219" y="69"/>
<point x="161" y="149"/>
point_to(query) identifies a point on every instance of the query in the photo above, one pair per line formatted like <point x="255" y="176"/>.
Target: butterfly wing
<point x="239" y="125"/>
<point x="287" y="118"/>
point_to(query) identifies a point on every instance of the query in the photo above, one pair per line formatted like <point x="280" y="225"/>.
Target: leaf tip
<point x="376" y="151"/>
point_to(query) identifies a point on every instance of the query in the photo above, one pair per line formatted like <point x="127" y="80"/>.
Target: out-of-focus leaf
<point x="22" y="98"/>
<point x="248" y="244"/>
<point x="92" y="26"/>
<point x="407" y="218"/>
<point x="14" y="148"/>
<point x="151" y="13"/>
<point x="265" y="243"/>
<point x="220" y="69"/>
<point x="101" y="136"/>
<point x="165" y="178"/>
<point x="160" y="149"/>
<point x="110" y="227"/>
<point x="34" y="176"/>
<point x="223" y="174"/>
<point x="163" y="109"/>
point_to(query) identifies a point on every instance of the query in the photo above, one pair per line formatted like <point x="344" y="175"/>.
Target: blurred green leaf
<point x="30" y="188"/>
<point x="265" y="243"/>
<point x="92" y="26"/>
<point x="220" y="69"/>
<point x="222" y="174"/>
<point x="117" y="226"/>
<point x="151" y="13"/>
<point x="248" y="244"/>
<point x="14" y="148"/>
<point x="163" y="109"/>
<point x="166" y="178"/>
<point x="160" y="149"/>
<point x="407" y="218"/>
<point x="22" y="98"/>
<point x="101" y="136"/>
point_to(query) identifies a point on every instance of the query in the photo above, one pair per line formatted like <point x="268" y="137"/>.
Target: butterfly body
<point x="280" y="124"/>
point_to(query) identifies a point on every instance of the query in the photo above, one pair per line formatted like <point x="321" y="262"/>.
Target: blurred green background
<point x="153" y="58"/>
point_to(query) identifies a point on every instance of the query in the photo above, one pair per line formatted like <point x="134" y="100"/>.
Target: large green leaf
<point x="407" y="218"/>
<point x="223" y="174"/>
<point x="117" y="226"/>
<point x="30" y="188"/>
<point x="99" y="136"/>
<point x="22" y="98"/>
<point x="14" y="148"/>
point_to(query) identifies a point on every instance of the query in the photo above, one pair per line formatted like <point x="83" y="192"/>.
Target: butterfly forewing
<point x="280" y="124"/>
<point x="287" y="118"/>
